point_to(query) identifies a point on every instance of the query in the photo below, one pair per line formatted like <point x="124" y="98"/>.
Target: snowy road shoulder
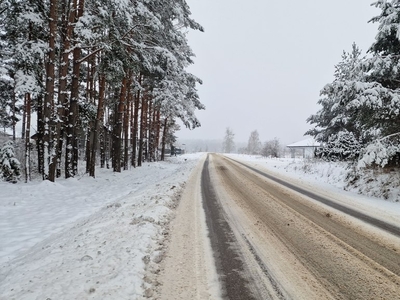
<point x="188" y="270"/>
<point x="105" y="254"/>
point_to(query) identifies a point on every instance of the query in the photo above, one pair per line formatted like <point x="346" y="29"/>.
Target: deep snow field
<point x="97" y="238"/>
<point x="88" y="238"/>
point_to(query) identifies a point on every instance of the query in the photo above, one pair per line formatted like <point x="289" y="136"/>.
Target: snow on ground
<point x="100" y="238"/>
<point x="88" y="238"/>
<point x="330" y="178"/>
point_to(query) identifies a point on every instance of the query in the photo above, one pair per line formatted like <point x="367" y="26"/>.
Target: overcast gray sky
<point x="263" y="63"/>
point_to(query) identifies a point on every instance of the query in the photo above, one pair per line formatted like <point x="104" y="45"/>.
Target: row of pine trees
<point x="106" y="80"/>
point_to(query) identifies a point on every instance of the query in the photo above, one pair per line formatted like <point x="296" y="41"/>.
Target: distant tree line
<point x="271" y="148"/>
<point x="359" y="117"/>
<point x="106" y="79"/>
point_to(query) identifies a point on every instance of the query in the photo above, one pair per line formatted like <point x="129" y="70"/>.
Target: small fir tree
<point x="10" y="167"/>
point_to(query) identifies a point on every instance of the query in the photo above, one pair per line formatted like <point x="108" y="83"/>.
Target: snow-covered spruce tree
<point x="254" y="143"/>
<point x="337" y="112"/>
<point x="228" y="144"/>
<point x="383" y="69"/>
<point x="350" y="104"/>
<point x="10" y="167"/>
<point x="384" y="65"/>
<point x="382" y="152"/>
<point x="340" y="146"/>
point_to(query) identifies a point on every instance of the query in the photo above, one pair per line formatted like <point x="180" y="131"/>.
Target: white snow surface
<point x="97" y="238"/>
<point x="87" y="238"/>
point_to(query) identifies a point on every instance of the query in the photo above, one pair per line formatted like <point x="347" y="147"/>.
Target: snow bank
<point x="88" y="238"/>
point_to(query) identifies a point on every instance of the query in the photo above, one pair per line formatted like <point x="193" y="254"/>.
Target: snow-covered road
<point x="106" y="238"/>
<point x="291" y="244"/>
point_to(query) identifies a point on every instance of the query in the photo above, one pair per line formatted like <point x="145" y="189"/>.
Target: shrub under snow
<point x="10" y="167"/>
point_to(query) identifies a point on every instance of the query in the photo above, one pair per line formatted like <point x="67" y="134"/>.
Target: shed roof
<point x="308" y="143"/>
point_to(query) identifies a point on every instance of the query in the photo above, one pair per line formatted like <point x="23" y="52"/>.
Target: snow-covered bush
<point x="10" y="167"/>
<point x="340" y="146"/>
<point x="382" y="152"/>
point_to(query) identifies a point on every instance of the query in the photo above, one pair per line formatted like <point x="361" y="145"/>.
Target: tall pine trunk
<point x="89" y="141"/>
<point x="118" y="127"/>
<point x="135" y="126"/>
<point x="127" y="105"/>
<point x="13" y="115"/>
<point x="27" y="138"/>
<point x="158" y="127"/>
<point x="71" y="151"/>
<point x="90" y="96"/>
<point x="165" y="130"/>
<point x="49" y="97"/>
<point x="150" y="132"/>
<point x="67" y="18"/>
<point x="23" y="120"/>
<point x="97" y="124"/>
<point x="143" y="112"/>
<point x="39" y="135"/>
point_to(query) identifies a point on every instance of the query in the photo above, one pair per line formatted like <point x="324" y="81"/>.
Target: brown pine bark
<point x="127" y="110"/>
<point x="118" y="127"/>
<point x="71" y="151"/>
<point x="23" y="119"/>
<point x="97" y="124"/>
<point x="39" y="135"/>
<point x="27" y="138"/>
<point x="65" y="34"/>
<point x="135" y="125"/>
<point x="88" y="148"/>
<point x="148" y="130"/>
<point x="151" y="130"/>
<point x="49" y="96"/>
<point x="158" y="128"/>
<point x="164" y="139"/>
<point x="13" y="116"/>
<point x="90" y="96"/>
<point x="154" y="135"/>
<point x="132" y="135"/>
<point x="143" y="113"/>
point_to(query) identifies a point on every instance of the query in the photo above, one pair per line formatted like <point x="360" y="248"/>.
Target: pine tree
<point x="95" y="70"/>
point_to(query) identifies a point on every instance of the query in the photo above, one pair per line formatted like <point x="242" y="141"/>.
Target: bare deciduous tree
<point x="271" y="148"/>
<point x="254" y="144"/>
<point x="228" y="144"/>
